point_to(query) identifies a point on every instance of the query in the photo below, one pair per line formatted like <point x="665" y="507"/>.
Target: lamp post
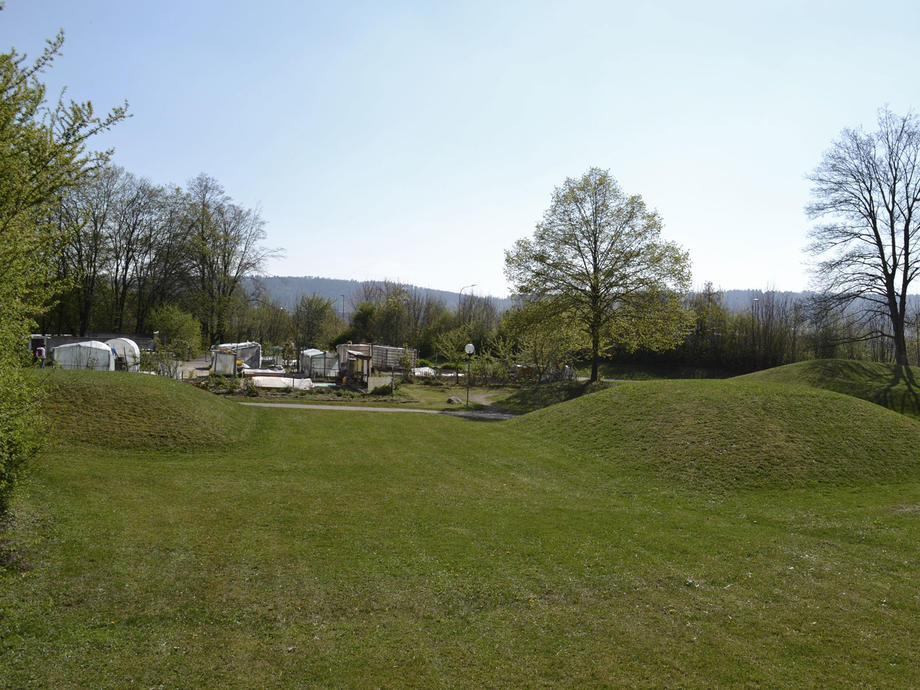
<point x="469" y="349"/>
<point x="754" y="320"/>
<point x="460" y="296"/>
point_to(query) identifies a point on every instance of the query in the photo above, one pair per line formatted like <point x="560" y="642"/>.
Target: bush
<point x="220" y="385"/>
<point x="179" y="331"/>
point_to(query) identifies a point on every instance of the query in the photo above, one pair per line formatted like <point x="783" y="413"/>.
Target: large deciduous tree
<point x="225" y="246"/>
<point x="42" y="153"/>
<point x="597" y="260"/>
<point x="314" y="321"/>
<point x="866" y="192"/>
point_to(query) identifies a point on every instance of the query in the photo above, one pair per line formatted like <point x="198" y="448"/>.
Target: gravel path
<point x="469" y="414"/>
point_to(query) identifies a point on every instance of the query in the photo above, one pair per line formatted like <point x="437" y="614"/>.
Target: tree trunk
<point x="595" y="353"/>
<point x="900" y="343"/>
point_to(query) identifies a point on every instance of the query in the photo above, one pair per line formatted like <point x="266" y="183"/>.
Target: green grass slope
<point x="734" y="433"/>
<point x="136" y="411"/>
<point x="883" y="384"/>
<point x="340" y="549"/>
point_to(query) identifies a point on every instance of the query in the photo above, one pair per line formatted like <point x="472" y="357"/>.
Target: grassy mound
<point x="736" y="433"/>
<point x="122" y="410"/>
<point x="883" y="384"/>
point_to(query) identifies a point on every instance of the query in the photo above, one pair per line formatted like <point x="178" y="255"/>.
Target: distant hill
<point x="286" y="290"/>
<point x="739" y="300"/>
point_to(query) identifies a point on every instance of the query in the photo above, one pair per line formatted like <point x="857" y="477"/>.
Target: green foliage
<point x="179" y="331"/>
<point x="41" y="155"/>
<point x="596" y="260"/>
<point x="220" y="385"/>
<point x="263" y="320"/>
<point x="224" y="245"/>
<point x="450" y="344"/>
<point x="314" y="322"/>
<point x="545" y="338"/>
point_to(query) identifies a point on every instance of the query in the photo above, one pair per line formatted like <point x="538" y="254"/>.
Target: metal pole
<point x="460" y="296"/>
<point x="468" y="358"/>
<point x="469" y="349"/>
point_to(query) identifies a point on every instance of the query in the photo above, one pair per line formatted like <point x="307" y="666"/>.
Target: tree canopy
<point x="597" y="260"/>
<point x="42" y="153"/>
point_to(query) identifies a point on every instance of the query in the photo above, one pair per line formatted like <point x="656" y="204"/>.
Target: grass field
<point x="696" y="533"/>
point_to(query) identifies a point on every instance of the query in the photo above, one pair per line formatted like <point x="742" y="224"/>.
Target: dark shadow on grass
<point x="902" y="393"/>
<point x="535" y="397"/>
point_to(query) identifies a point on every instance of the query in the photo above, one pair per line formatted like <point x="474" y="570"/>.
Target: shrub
<point x="178" y="330"/>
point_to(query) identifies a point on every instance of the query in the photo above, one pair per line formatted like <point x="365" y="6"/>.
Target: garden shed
<point x="383" y="357"/>
<point x="319" y="364"/>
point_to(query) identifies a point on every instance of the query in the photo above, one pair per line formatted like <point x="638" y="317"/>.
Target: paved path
<point x="469" y="414"/>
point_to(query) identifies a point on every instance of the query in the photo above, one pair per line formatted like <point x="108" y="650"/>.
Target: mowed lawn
<point x="332" y="548"/>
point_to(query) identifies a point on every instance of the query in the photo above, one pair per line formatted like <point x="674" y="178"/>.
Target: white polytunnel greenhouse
<point x="91" y="354"/>
<point x="127" y="354"/>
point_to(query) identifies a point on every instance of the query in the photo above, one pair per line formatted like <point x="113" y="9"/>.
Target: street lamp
<point x="754" y="324"/>
<point x="469" y="349"/>
<point x="460" y="296"/>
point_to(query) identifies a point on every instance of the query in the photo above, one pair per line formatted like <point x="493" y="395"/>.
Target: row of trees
<point x="595" y="276"/>
<point x="134" y="247"/>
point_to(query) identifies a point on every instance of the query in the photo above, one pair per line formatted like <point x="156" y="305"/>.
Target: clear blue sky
<point x="416" y="141"/>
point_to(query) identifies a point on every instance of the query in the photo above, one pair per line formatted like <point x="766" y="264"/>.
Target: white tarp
<point x="91" y="354"/>
<point x="127" y="350"/>
<point x="249" y="353"/>
<point x="281" y="382"/>
<point x="223" y="363"/>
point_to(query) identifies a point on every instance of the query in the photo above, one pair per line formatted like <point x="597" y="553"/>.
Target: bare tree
<point x="314" y="322"/>
<point x="866" y="190"/>
<point x="135" y="216"/>
<point x="87" y="210"/>
<point x="225" y="242"/>
<point x="162" y="264"/>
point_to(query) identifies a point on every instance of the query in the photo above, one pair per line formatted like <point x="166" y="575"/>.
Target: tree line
<point x="139" y="257"/>
<point x="134" y="249"/>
